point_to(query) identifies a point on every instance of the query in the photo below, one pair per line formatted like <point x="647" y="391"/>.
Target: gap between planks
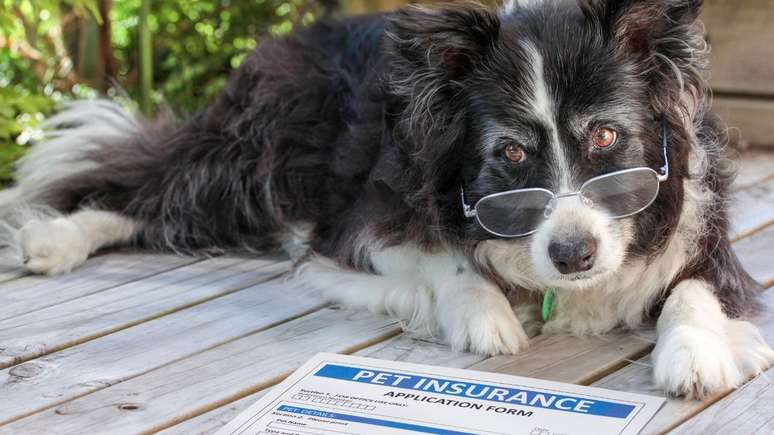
<point x="241" y="367"/>
<point x="100" y="273"/>
<point x="73" y="372"/>
<point x="98" y="314"/>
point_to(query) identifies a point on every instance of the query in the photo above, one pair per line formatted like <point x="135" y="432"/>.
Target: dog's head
<point x="549" y="94"/>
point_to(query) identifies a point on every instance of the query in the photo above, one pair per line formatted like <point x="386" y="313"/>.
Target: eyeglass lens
<point x="519" y="213"/>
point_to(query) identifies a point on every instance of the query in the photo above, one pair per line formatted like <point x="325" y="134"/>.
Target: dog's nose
<point x="572" y="256"/>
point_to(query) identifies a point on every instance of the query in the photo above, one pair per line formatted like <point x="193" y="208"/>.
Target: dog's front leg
<point x="700" y="351"/>
<point x="474" y="314"/>
<point x="433" y="294"/>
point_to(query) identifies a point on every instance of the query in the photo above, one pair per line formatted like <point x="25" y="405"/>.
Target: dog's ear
<point x="447" y="42"/>
<point x="664" y="40"/>
<point x="432" y="51"/>
<point x="642" y="27"/>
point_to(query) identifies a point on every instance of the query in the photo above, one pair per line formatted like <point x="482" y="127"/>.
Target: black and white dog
<point x="433" y="160"/>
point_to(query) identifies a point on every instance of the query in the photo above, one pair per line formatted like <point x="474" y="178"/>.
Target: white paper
<point x="339" y="394"/>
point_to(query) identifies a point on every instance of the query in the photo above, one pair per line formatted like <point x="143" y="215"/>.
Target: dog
<point x="447" y="166"/>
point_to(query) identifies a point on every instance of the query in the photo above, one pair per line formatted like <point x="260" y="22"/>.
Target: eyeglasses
<point x="619" y="194"/>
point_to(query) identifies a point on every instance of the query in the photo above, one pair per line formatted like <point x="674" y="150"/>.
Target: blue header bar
<point x="492" y="393"/>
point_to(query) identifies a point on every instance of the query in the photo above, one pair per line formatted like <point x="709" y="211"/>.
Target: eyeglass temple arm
<point x="469" y="212"/>
<point x="664" y="143"/>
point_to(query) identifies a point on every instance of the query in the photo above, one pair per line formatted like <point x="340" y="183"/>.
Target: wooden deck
<point x="137" y="342"/>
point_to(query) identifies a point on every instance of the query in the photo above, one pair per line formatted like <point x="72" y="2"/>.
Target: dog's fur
<point x="350" y="140"/>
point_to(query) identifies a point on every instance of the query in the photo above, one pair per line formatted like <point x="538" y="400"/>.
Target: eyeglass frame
<point x="471" y="212"/>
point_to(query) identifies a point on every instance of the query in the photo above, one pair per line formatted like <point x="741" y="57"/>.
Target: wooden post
<point x="146" y="59"/>
<point x="109" y="67"/>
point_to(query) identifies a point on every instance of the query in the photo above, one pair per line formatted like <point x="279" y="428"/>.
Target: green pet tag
<point x="548" y="303"/>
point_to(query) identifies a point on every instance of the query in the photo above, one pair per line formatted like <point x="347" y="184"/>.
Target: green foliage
<point x="33" y="62"/>
<point x="49" y="53"/>
<point x="20" y="114"/>
<point x="196" y="43"/>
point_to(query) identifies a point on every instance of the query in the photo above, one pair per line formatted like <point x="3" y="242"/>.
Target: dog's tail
<point x="71" y="136"/>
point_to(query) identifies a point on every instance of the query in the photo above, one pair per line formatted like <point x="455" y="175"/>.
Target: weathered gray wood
<point x="162" y="397"/>
<point x="62" y="376"/>
<point x="742" y="42"/>
<point x="751" y="119"/>
<point x="751" y="209"/>
<point x="754" y="166"/>
<point x="637" y="378"/>
<point x="11" y="273"/>
<point x="212" y="421"/>
<point x="103" y="272"/>
<point x="570" y="359"/>
<point x="756" y="252"/>
<point x="400" y="348"/>
<point x="749" y="410"/>
<point x="69" y="323"/>
<point x="406" y="349"/>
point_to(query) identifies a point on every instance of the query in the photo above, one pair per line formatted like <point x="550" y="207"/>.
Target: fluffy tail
<point x="70" y="136"/>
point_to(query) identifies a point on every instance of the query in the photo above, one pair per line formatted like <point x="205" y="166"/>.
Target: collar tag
<point x="548" y="303"/>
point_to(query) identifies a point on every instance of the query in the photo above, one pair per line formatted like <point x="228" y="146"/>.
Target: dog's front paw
<point x="53" y="247"/>
<point x="694" y="362"/>
<point x="751" y="352"/>
<point x="487" y="327"/>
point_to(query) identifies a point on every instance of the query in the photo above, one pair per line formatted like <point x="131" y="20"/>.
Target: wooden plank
<point x="756" y="252"/>
<point x="57" y="327"/>
<point x="754" y="166"/>
<point x="62" y="376"/>
<point x="212" y="421"/>
<point x="637" y="378"/>
<point x="750" y="118"/>
<point x="749" y="410"/>
<point x="570" y="359"/>
<point x="407" y="349"/>
<point x="751" y="209"/>
<point x="400" y="348"/>
<point x="742" y="41"/>
<point x="165" y="396"/>
<point x="99" y="273"/>
<point x="8" y="273"/>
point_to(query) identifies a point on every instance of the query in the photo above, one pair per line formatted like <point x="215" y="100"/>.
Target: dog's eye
<point x="514" y="153"/>
<point x="604" y="137"/>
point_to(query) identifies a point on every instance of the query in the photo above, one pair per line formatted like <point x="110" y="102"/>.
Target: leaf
<point x="7" y="22"/>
